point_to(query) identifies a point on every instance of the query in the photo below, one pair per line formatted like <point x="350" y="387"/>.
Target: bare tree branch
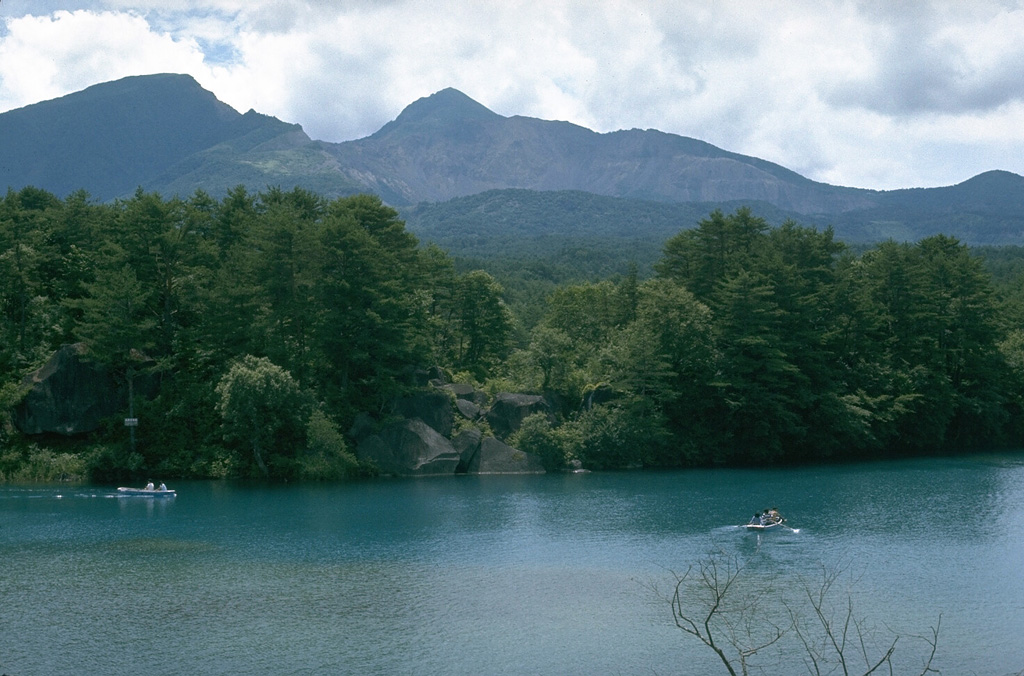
<point x="715" y="602"/>
<point x="934" y="643"/>
<point x="707" y="605"/>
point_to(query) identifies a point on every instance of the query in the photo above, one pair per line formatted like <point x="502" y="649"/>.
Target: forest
<point x="271" y="320"/>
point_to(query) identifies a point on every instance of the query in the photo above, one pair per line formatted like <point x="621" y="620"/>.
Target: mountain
<point x="165" y="133"/>
<point x="447" y="145"/>
<point x="985" y="210"/>
<point x="160" y="132"/>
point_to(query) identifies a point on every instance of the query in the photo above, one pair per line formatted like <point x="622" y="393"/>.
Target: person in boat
<point x="756" y="520"/>
<point x="149" y="486"/>
<point x="163" y="486"/>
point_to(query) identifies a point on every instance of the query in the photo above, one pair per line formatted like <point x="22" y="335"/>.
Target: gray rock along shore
<point x="71" y="395"/>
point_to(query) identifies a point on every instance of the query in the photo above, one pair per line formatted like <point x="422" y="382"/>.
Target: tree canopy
<point x="750" y="344"/>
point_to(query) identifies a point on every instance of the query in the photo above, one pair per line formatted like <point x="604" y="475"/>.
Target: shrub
<point x="327" y="456"/>
<point x="42" y="465"/>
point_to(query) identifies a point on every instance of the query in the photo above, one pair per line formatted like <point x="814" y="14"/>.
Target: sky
<point x="878" y="94"/>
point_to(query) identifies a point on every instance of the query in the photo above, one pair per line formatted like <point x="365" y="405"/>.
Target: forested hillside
<point x="270" y="321"/>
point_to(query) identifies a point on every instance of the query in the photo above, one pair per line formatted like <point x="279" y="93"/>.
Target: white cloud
<point x="872" y="93"/>
<point x="962" y="59"/>
<point x="50" y="56"/>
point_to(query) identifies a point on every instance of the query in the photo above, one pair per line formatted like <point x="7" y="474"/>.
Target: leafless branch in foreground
<point x="722" y="604"/>
<point x="708" y="603"/>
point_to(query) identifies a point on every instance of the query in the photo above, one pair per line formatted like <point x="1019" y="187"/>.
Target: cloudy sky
<point x="875" y="94"/>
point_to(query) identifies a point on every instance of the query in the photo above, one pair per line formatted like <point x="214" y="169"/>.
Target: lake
<point x="557" y="574"/>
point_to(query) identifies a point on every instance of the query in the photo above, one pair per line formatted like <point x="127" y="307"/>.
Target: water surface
<point x="560" y="574"/>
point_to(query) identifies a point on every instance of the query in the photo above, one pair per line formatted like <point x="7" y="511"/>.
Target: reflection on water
<point x="474" y="575"/>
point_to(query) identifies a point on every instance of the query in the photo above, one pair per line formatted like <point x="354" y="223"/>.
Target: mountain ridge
<point x="113" y="137"/>
<point x="166" y="133"/>
<point x="451" y="131"/>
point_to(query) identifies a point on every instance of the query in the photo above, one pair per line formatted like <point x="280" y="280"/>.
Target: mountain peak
<point x="114" y="136"/>
<point x="444" y="107"/>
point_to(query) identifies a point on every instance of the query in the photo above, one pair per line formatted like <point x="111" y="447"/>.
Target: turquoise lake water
<point x="559" y="574"/>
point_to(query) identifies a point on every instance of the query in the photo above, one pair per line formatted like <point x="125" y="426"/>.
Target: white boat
<point x="767" y="520"/>
<point x="765" y="527"/>
<point x="146" y="492"/>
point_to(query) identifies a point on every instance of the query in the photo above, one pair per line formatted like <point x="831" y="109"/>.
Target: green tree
<point x="117" y="327"/>
<point x="263" y="408"/>
<point x="233" y="221"/>
<point x="967" y="334"/>
<point x="29" y="307"/>
<point x="588" y="312"/>
<point x="288" y="268"/>
<point x="938" y="369"/>
<point x="552" y="351"/>
<point x="716" y="249"/>
<point x="327" y="456"/>
<point x="556" y="447"/>
<point x="373" y="303"/>
<point x="760" y="386"/>
<point x="567" y="344"/>
<point x="800" y="265"/>
<point x="628" y="432"/>
<point x="669" y="356"/>
<point x="481" y="323"/>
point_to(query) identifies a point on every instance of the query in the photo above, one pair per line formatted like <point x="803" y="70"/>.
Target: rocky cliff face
<point x="423" y="445"/>
<point x="410" y="447"/>
<point x="68" y="395"/>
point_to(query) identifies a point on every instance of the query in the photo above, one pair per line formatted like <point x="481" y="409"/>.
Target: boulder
<point x="495" y="457"/>
<point x="468" y="409"/>
<point x="467" y="443"/>
<point x="68" y="395"/>
<point x="409" y="448"/>
<point x="509" y="410"/>
<point x="428" y="376"/>
<point x="465" y="392"/>
<point x="432" y="407"/>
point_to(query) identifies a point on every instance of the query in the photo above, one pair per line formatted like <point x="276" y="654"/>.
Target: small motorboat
<point x="162" y="492"/>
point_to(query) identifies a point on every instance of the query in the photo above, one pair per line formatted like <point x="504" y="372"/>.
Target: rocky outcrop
<point x="419" y="445"/>
<point x="69" y="395"/>
<point x="495" y="457"/>
<point x="469" y="401"/>
<point x="72" y="395"/>
<point x="428" y="376"/>
<point x="467" y="443"/>
<point x="409" y="448"/>
<point x="468" y="409"/>
<point x="509" y="410"/>
<point x="465" y="392"/>
<point x="433" y="408"/>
